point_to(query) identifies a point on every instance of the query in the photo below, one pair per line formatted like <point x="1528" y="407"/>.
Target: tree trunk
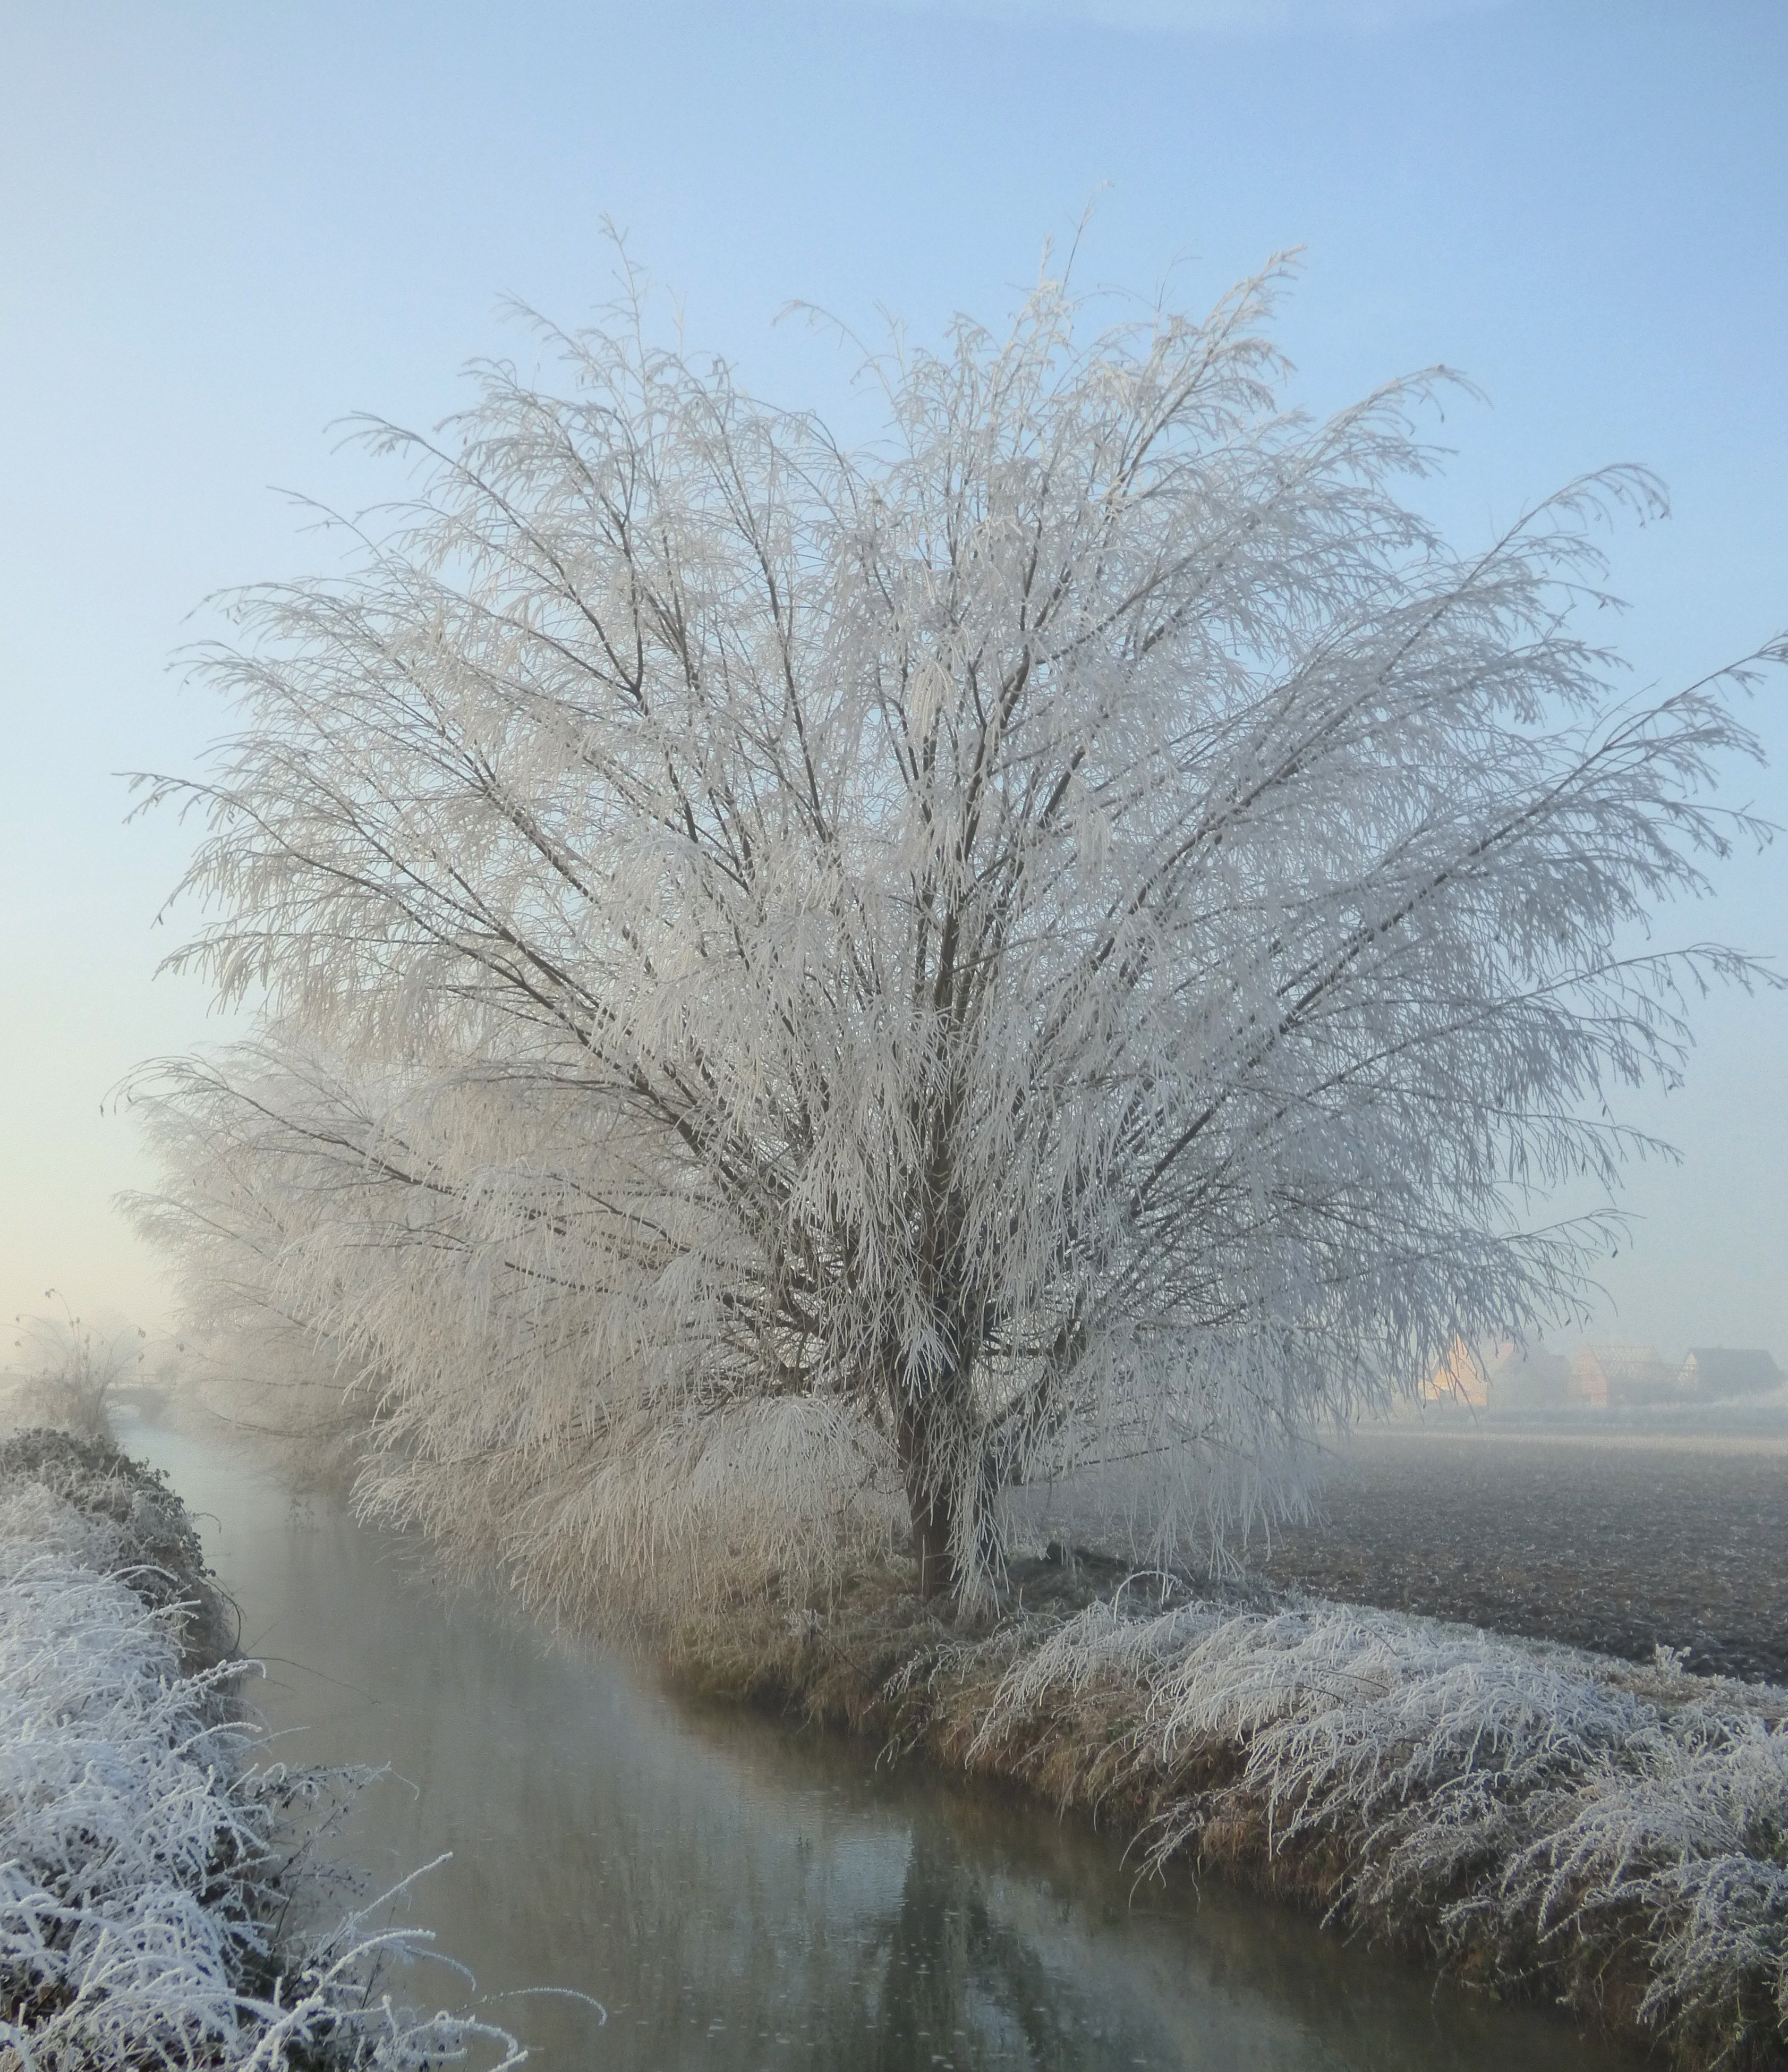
<point x="931" y="1514"/>
<point x="929" y="1505"/>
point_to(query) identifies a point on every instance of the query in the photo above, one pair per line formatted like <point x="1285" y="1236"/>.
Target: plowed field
<point x="1616" y="1545"/>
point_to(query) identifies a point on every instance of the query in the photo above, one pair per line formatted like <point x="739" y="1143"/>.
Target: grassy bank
<point x="153" y="1874"/>
<point x="1537" y="1821"/>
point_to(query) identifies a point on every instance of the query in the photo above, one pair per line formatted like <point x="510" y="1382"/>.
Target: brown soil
<point x="1616" y="1545"/>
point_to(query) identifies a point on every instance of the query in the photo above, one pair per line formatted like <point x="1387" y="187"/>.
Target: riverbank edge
<point x="1096" y="1741"/>
<point x="156" y="1872"/>
<point x="158" y="1557"/>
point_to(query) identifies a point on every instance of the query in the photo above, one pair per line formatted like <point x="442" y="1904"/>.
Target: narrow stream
<point x="743" y="1897"/>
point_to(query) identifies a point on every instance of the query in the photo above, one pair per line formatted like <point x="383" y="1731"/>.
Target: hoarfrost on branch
<point x="796" y="978"/>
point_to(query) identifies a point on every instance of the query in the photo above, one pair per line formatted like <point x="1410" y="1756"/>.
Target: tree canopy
<point x="1084" y="932"/>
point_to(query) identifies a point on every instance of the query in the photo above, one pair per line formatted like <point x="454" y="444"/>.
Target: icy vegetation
<point x="801" y="990"/>
<point x="150" y="1867"/>
<point x="1541" y="1822"/>
<point x="67" y="1375"/>
<point x="1503" y="1801"/>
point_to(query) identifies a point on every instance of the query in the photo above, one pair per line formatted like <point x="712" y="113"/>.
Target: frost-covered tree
<point x="1080" y="932"/>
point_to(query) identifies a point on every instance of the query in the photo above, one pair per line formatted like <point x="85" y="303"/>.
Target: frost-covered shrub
<point x="146" y="1858"/>
<point x="68" y="1373"/>
<point x="133" y="1526"/>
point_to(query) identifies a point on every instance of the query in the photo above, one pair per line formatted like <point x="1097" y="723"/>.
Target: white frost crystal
<point x="141" y="1853"/>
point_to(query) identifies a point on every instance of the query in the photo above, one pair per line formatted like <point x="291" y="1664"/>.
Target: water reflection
<point x="742" y="1898"/>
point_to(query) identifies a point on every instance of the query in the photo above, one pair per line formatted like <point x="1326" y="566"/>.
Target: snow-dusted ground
<point x="146" y="1857"/>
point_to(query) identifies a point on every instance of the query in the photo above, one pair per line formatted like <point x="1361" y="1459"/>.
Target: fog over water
<point x="739" y="1895"/>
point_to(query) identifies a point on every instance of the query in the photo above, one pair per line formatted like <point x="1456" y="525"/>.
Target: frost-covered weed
<point x="119" y="1516"/>
<point x="68" y="1374"/>
<point x="1527" y="1811"/>
<point x="128" y="1910"/>
<point x="145" y="1859"/>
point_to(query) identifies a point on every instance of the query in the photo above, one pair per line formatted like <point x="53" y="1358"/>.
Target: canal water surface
<point x="740" y="1897"/>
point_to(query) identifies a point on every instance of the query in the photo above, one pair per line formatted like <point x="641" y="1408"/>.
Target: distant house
<point x="1508" y="1377"/>
<point x="1712" y="1372"/>
<point x="1528" y="1378"/>
<point x="1607" y="1377"/>
<point x="1461" y="1378"/>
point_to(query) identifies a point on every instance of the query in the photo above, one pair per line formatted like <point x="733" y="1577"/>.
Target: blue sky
<point x="224" y="226"/>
